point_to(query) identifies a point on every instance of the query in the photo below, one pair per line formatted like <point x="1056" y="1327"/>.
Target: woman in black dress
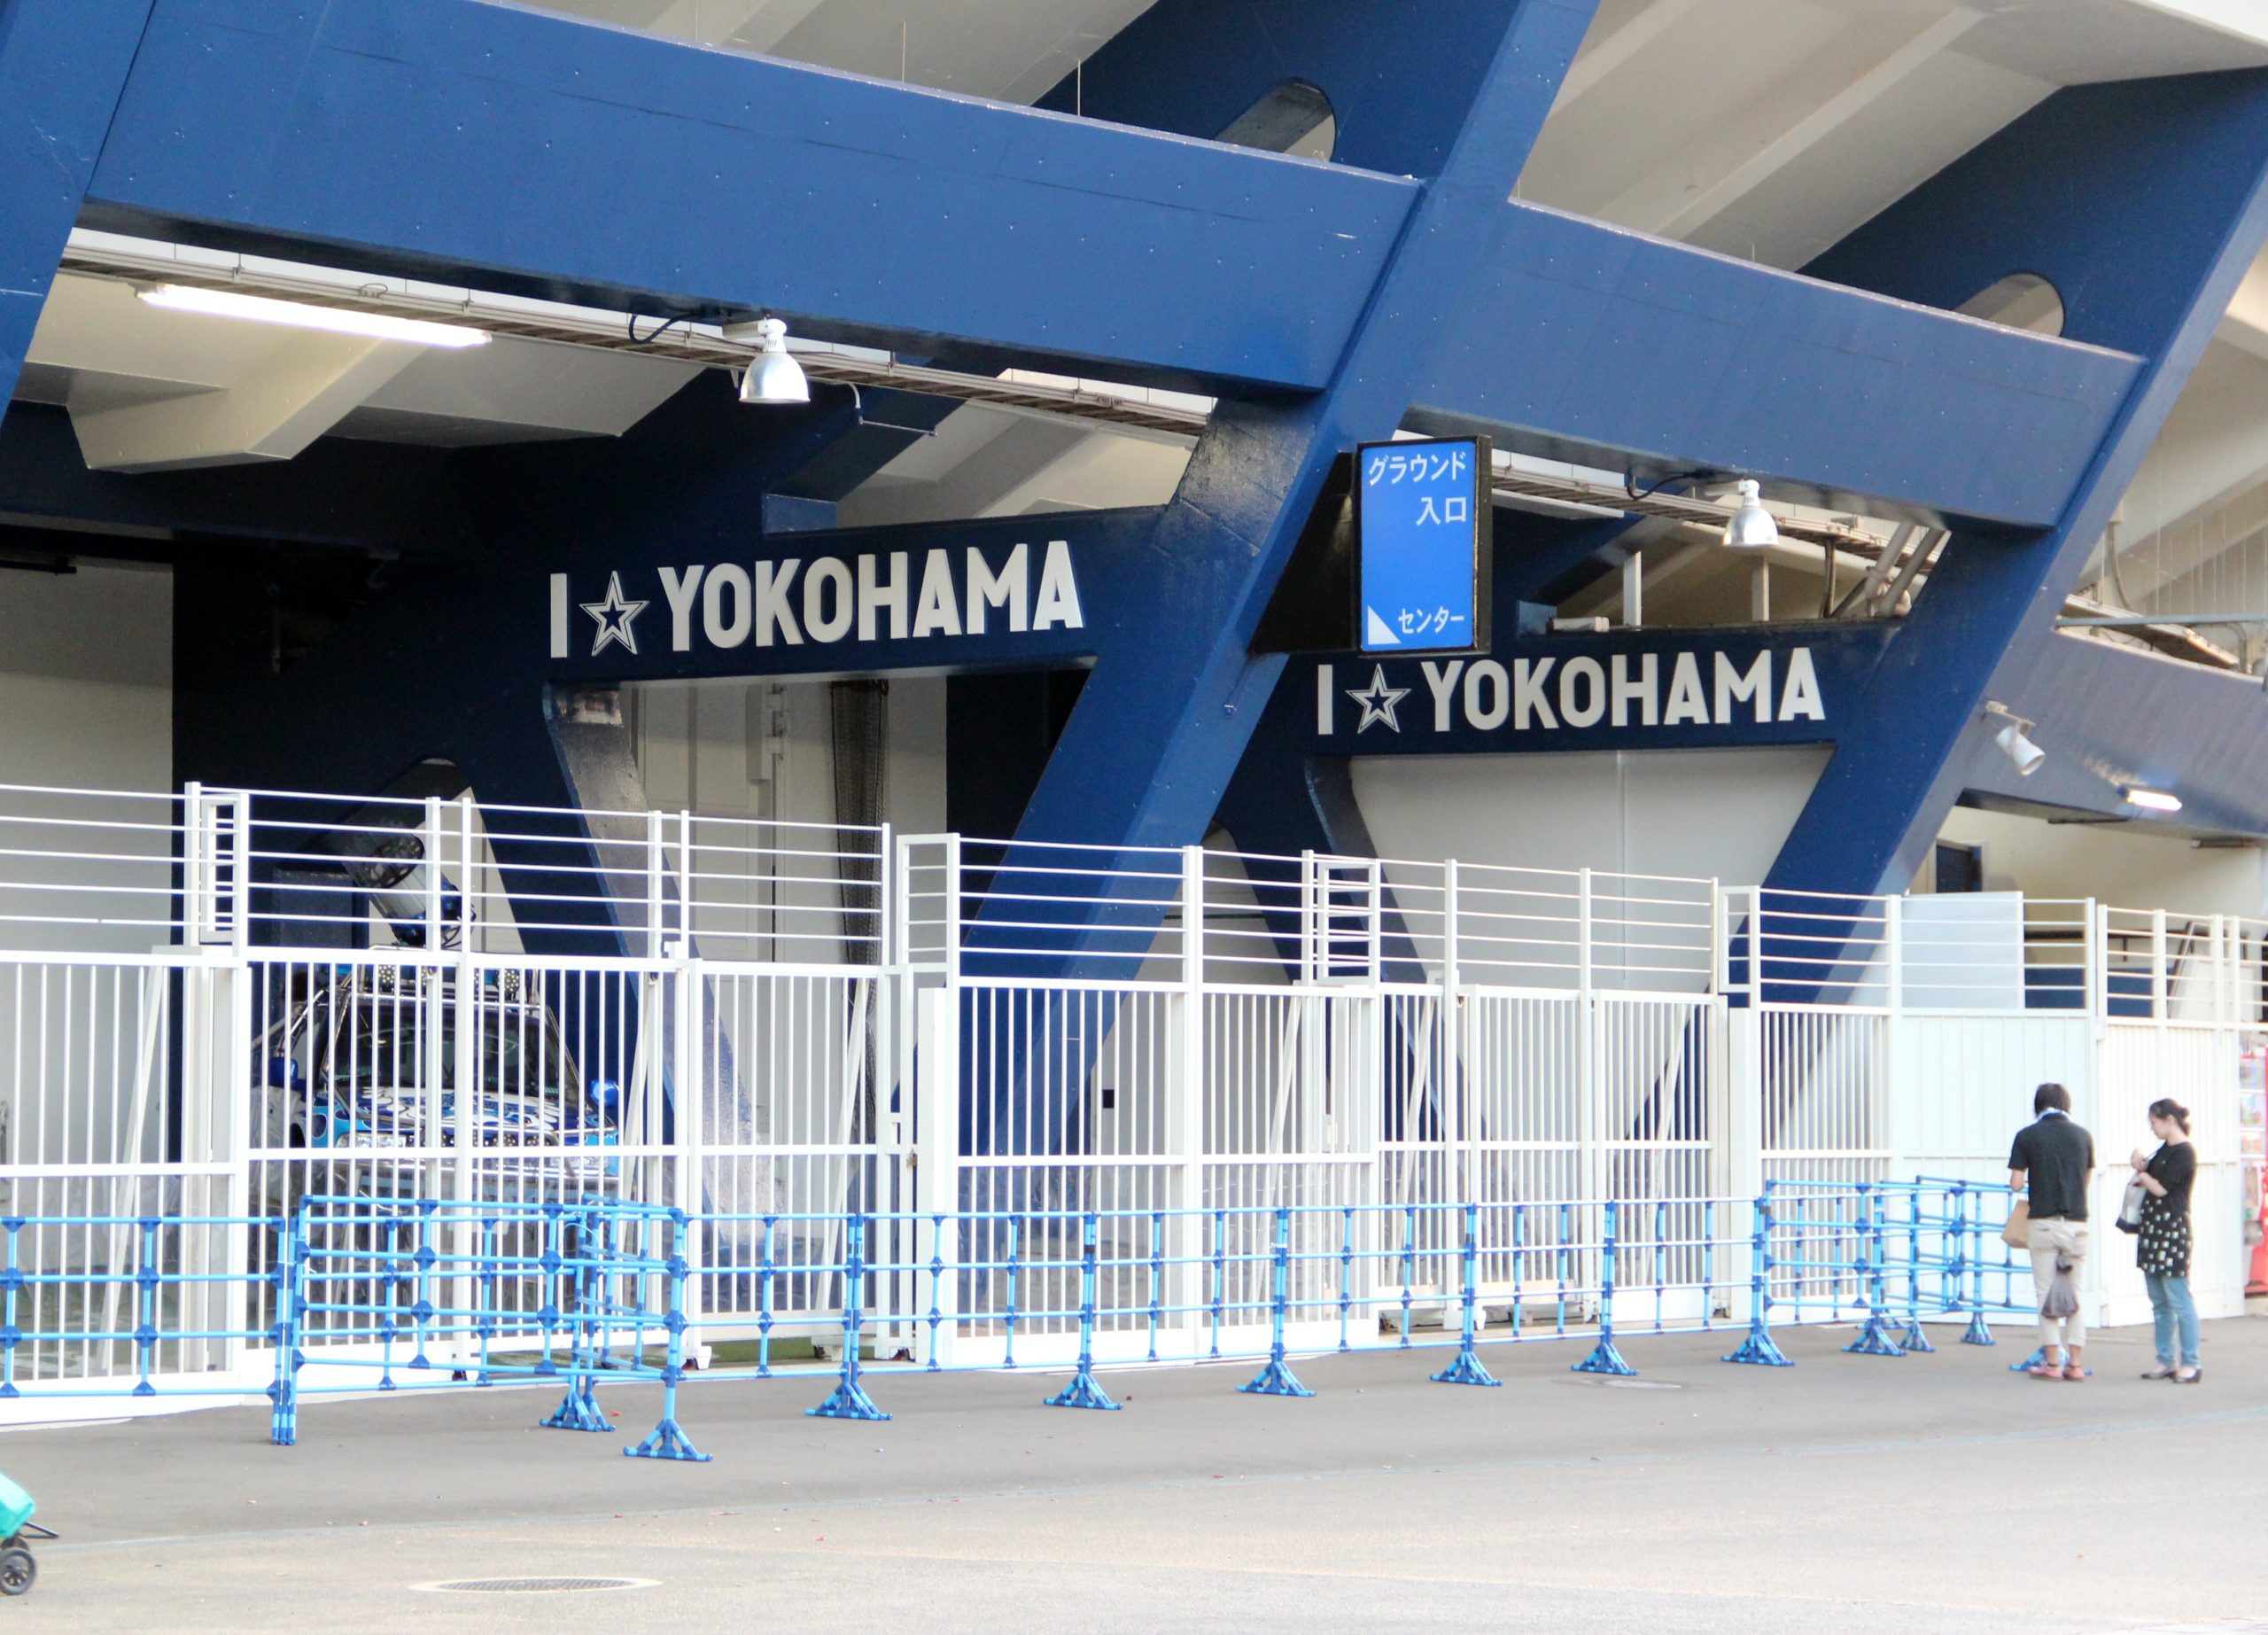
<point x="2166" y="1175"/>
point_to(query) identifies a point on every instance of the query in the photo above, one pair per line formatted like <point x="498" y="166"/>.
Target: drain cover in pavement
<point x="537" y="1586"/>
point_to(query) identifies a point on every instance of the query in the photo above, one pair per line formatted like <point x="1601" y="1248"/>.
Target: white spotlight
<point x="2014" y="740"/>
<point x="1752" y="527"/>
<point x="773" y="376"/>
<point x="2019" y="750"/>
<point x="300" y="316"/>
<point x="2151" y="799"/>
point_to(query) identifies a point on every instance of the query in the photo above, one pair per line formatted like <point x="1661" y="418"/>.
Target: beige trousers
<point x="2068" y="1238"/>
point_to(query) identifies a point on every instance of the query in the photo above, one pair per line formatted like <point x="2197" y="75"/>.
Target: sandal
<point x="2045" y="1371"/>
<point x="2163" y="1371"/>
<point x="2072" y="1371"/>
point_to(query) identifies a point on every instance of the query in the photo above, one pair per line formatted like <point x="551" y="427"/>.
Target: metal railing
<point x="219" y="1005"/>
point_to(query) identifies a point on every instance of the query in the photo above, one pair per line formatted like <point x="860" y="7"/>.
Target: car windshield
<point x="518" y="1048"/>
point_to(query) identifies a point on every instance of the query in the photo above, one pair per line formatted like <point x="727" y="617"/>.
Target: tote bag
<point x="2129" y="1208"/>
<point x="2017" y="1232"/>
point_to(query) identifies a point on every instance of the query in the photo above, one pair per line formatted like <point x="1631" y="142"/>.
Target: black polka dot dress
<point x="2164" y="1247"/>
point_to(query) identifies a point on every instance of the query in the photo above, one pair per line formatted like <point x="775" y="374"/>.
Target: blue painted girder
<point x="1591" y="344"/>
<point x="62" y="65"/>
<point x="555" y="157"/>
<point x="2109" y="715"/>
<point x="2143" y="202"/>
<point x="482" y="143"/>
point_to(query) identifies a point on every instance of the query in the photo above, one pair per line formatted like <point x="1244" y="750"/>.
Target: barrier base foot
<point x="1275" y="1380"/>
<point x="579" y="1410"/>
<point x="1759" y="1349"/>
<point x="286" y="1437"/>
<point x="1874" y="1341"/>
<point x="1914" y="1339"/>
<point x="1082" y="1392"/>
<point x="847" y="1401"/>
<point x="1466" y="1370"/>
<point x="1979" y="1332"/>
<point x="2037" y="1357"/>
<point x="1604" y="1360"/>
<point x="669" y="1440"/>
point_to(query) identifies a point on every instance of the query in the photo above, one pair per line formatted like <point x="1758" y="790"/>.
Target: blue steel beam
<point x="2110" y="716"/>
<point x="62" y="65"/>
<point x="557" y="158"/>
<point x="1591" y="344"/>
<point x="2143" y="202"/>
<point x="529" y="152"/>
<point x="1193" y="695"/>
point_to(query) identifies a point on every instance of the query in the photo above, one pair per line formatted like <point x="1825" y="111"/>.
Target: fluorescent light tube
<point x="299" y="315"/>
<point x="2151" y="800"/>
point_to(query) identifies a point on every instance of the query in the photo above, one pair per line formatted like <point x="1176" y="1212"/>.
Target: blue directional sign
<point x="1422" y="513"/>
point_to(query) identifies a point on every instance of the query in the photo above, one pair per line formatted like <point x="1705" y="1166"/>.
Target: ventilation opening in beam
<point x="1294" y="119"/>
<point x="2019" y="301"/>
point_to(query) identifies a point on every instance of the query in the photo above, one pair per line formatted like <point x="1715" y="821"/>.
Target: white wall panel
<point x="1964" y="1084"/>
<point x="1706" y="813"/>
<point x="86" y="702"/>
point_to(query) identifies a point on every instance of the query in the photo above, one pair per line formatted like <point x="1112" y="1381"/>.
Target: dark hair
<point x="2166" y="1106"/>
<point x="2051" y="1095"/>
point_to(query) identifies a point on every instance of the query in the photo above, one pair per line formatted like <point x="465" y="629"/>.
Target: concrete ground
<point x="1848" y="1493"/>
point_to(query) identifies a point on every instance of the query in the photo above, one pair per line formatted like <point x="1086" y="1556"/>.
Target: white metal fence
<point x="216" y="1003"/>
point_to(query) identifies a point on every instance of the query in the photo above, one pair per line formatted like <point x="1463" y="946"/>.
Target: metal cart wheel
<point x="17" y="1570"/>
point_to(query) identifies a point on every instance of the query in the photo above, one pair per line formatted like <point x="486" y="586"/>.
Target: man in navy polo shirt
<point x="2052" y="1161"/>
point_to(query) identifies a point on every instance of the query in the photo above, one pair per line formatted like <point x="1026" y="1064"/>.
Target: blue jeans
<point x="2170" y="1303"/>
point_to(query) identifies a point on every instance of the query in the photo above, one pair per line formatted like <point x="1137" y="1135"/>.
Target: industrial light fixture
<point x="2151" y="799"/>
<point x="303" y="315"/>
<point x="773" y="376"/>
<point x="2014" y="740"/>
<point x="1751" y="526"/>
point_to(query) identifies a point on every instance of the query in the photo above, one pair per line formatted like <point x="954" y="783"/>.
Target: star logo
<point x="614" y="615"/>
<point x="1378" y="701"/>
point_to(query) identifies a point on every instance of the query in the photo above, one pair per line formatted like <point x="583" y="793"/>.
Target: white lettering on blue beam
<point x="1578" y="692"/>
<point x="883" y="597"/>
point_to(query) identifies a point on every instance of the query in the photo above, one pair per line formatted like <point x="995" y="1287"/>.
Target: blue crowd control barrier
<point x="1467" y="1369"/>
<point x="1276" y="1379"/>
<point x="1083" y="1391"/>
<point x="1758" y="1348"/>
<point x="849" y="1399"/>
<point x="1874" y="1335"/>
<point x="1604" y="1358"/>
<point x="147" y="1300"/>
<point x="396" y="1294"/>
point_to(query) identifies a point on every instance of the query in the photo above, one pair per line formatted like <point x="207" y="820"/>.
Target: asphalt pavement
<point x="1847" y="1493"/>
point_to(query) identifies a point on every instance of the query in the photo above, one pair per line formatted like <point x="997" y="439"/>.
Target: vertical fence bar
<point x="668" y="1439"/>
<point x="1758" y="1348"/>
<point x="1914" y="1339"/>
<point x="1604" y="1358"/>
<point x="584" y="1317"/>
<point x="849" y="1399"/>
<point x="11" y="1334"/>
<point x="284" y="1395"/>
<point x="1466" y="1369"/>
<point x="1874" y="1337"/>
<point x="1277" y="1378"/>
<point x="1967" y="1211"/>
<point x="1083" y="1391"/>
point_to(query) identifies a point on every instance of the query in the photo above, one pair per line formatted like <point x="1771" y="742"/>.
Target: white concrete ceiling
<point x="1011" y="50"/>
<point x="156" y="390"/>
